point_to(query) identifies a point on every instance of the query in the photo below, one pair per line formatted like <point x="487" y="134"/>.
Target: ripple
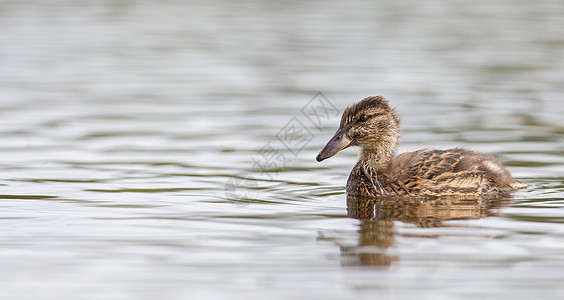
<point x="130" y="134"/>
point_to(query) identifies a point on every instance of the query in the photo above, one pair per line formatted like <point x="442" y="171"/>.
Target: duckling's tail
<point x="517" y="185"/>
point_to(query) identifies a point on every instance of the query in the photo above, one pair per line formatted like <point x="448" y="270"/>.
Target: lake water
<point x="166" y="149"/>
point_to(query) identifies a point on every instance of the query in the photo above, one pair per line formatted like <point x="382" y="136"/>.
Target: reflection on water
<point x="377" y="216"/>
<point x="123" y="122"/>
<point x="424" y="212"/>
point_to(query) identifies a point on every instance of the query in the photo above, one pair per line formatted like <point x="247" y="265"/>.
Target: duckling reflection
<point x="376" y="237"/>
<point x="377" y="216"/>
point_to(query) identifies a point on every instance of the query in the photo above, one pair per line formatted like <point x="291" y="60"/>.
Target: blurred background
<point x="132" y="133"/>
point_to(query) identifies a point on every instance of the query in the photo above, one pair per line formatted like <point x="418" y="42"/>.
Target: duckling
<point x="373" y="126"/>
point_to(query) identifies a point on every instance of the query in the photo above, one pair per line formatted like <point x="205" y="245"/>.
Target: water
<point x="122" y="124"/>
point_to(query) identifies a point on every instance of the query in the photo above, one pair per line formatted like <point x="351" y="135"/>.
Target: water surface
<point x="133" y="132"/>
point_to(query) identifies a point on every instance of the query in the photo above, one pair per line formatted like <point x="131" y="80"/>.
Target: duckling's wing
<point x="429" y="164"/>
<point x="463" y="182"/>
<point x="452" y="171"/>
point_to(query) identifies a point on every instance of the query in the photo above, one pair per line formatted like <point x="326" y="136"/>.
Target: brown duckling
<point x="374" y="126"/>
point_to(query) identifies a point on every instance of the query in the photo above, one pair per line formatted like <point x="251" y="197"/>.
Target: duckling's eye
<point x="363" y="118"/>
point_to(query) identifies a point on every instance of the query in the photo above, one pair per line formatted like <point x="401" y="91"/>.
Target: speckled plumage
<point x="374" y="126"/>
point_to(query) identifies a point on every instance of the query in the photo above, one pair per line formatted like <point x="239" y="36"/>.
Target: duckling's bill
<point x="338" y="142"/>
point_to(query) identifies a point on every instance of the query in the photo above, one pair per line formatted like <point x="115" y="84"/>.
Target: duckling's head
<point x="370" y="123"/>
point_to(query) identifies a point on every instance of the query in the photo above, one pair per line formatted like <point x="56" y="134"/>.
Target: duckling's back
<point x="436" y="173"/>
